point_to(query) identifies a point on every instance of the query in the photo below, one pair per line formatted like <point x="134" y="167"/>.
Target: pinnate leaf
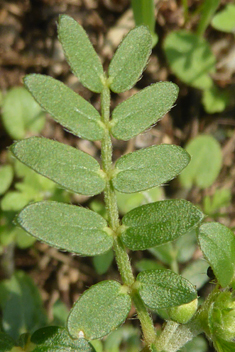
<point x="65" y="106"/>
<point x="57" y="339"/>
<point x="142" y="110"/>
<point x="217" y="243"/>
<point x="157" y="223"/>
<point x="71" y="168"/>
<point x="99" y="310"/>
<point x="149" y="167"/>
<point x="164" y="288"/>
<point x="130" y="59"/>
<point x="66" y="227"/>
<point x="80" y="54"/>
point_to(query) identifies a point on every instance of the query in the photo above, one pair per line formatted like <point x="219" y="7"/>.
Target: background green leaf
<point x="21" y="113"/>
<point x="65" y="106"/>
<point x="100" y="309"/>
<point x="68" y="227"/>
<point x="157" y="223"/>
<point x="215" y="100"/>
<point x="129" y="201"/>
<point x="206" y="161"/>
<point x="144" y="13"/>
<point x="196" y="273"/>
<point x="6" y="342"/>
<point x="225" y="20"/>
<point x="164" y="288"/>
<point x="56" y="339"/>
<point x="103" y="261"/>
<point x="149" y="167"/>
<point x="69" y="167"/>
<point x="142" y="110"/>
<point x="197" y="344"/>
<point x="217" y="243"/>
<point x="130" y="59"/>
<point x="21" y="305"/>
<point x="80" y="54"/>
<point x="6" y="177"/>
<point x="190" y="58"/>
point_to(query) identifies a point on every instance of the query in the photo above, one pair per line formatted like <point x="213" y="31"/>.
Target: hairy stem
<point x="175" y="336"/>
<point x="122" y="258"/>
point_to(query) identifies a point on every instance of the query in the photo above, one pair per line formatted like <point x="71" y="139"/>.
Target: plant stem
<point x="122" y="258"/>
<point x="145" y="319"/>
<point x="175" y="336"/>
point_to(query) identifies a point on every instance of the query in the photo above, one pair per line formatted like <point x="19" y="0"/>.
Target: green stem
<point x="175" y="336"/>
<point x="185" y="6"/>
<point x="208" y="9"/>
<point x="122" y="258"/>
<point x="145" y="319"/>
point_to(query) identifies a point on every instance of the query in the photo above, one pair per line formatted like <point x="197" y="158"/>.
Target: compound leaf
<point x="66" y="227"/>
<point x="149" y="167"/>
<point x="143" y="109"/>
<point x="190" y="58"/>
<point x="157" y="223"/>
<point x="71" y="168"/>
<point x="80" y="54"/>
<point x="130" y="59"/>
<point x="57" y="339"/>
<point x="164" y="288"/>
<point x="65" y="106"/>
<point x="205" y="163"/>
<point x="99" y="310"/>
<point x="217" y="243"/>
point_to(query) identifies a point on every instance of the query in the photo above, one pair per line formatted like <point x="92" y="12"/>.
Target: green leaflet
<point x="130" y="59"/>
<point x="190" y="58"/>
<point x="142" y="110"/>
<point x="67" y="227"/>
<point x="149" y="167"/>
<point x="157" y="223"/>
<point x="57" y="339"/>
<point x="217" y="243"/>
<point x="80" y="54"/>
<point x="164" y="288"/>
<point x="72" y="169"/>
<point x="65" y="106"/>
<point x="100" y="309"/>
